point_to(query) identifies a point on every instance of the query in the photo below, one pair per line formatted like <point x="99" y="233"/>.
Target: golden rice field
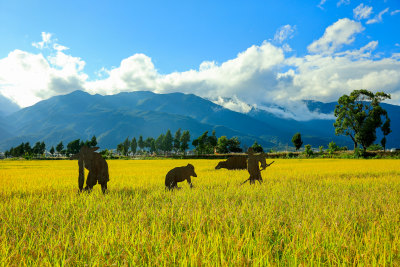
<point x="308" y="212"/>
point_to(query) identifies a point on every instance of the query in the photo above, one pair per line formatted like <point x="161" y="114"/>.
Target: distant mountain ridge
<point x="112" y="118"/>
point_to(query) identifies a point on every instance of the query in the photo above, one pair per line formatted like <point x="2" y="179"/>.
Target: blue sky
<point x="253" y="52"/>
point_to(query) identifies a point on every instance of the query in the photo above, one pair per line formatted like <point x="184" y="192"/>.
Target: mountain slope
<point x="112" y="118"/>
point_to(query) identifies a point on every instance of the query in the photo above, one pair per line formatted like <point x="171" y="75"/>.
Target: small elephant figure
<point x="97" y="166"/>
<point x="179" y="174"/>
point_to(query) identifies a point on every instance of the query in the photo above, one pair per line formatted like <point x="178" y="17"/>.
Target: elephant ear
<point x="94" y="148"/>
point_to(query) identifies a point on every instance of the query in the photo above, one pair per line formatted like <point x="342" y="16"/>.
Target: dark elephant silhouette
<point x="97" y="167"/>
<point x="233" y="163"/>
<point x="179" y="174"/>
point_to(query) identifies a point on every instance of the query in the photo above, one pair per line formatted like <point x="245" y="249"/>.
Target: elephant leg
<point x="90" y="181"/>
<point x="189" y="182"/>
<point x="81" y="178"/>
<point x="104" y="187"/>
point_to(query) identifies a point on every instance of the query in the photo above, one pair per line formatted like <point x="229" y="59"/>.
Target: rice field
<point x="307" y="212"/>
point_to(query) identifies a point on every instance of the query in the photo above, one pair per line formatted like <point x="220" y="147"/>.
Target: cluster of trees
<point x="165" y="143"/>
<point x="25" y="150"/>
<point x="179" y="143"/>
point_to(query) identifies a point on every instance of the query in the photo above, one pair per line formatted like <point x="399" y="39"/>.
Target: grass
<point x="319" y="211"/>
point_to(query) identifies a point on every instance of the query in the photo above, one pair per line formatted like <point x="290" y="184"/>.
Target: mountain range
<point x="112" y="118"/>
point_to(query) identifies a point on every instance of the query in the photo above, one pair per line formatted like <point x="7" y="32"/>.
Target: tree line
<point x="179" y="143"/>
<point x="38" y="150"/>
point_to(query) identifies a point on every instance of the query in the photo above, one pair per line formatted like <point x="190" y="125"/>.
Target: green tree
<point x="168" y="140"/>
<point x="296" y="140"/>
<point x="74" y="147"/>
<point x="177" y="140"/>
<point x="126" y="144"/>
<point x="52" y="150"/>
<point x="42" y="148"/>
<point x="200" y="143"/>
<point x="59" y="147"/>
<point x="147" y="142"/>
<point x="332" y="147"/>
<point x="222" y="145"/>
<point x="321" y="149"/>
<point x="27" y="148"/>
<point x="185" y="139"/>
<point x="160" y="143"/>
<point x="234" y="145"/>
<point x="257" y="148"/>
<point x="212" y="143"/>
<point x="358" y="115"/>
<point x="133" y="145"/>
<point x="36" y="149"/>
<point x="141" y="143"/>
<point x="153" y="147"/>
<point x="385" y="130"/>
<point x="93" y="142"/>
<point x="308" y="151"/>
<point x="120" y="148"/>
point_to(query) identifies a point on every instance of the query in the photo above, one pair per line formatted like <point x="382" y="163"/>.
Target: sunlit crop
<point x="306" y="211"/>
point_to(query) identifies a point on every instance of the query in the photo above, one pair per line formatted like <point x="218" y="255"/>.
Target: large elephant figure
<point x="97" y="167"/>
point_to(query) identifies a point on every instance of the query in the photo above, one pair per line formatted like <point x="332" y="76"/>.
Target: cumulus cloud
<point x="362" y="12"/>
<point x="378" y="18"/>
<point x="335" y="36"/>
<point x="27" y="78"/>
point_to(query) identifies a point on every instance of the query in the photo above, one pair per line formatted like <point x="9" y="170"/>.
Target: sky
<point x="240" y="54"/>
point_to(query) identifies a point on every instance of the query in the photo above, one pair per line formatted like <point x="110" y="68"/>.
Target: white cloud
<point x="27" y="78"/>
<point x="395" y="12"/>
<point x="259" y="76"/>
<point x="285" y="32"/>
<point x="362" y="12"/>
<point x="343" y="2"/>
<point x="233" y="103"/>
<point x="378" y="18"/>
<point x="46" y="39"/>
<point x="335" y="36"/>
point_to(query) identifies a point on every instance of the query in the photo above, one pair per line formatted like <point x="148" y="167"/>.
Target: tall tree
<point x="52" y="150"/>
<point x="296" y="140"/>
<point x="234" y="145"/>
<point x="358" y="115"/>
<point x="222" y="145"/>
<point x="126" y="144"/>
<point x="133" y="145"/>
<point x="42" y="148"/>
<point x="177" y="140"/>
<point x="93" y="141"/>
<point x="59" y="147"/>
<point x="385" y="130"/>
<point x="185" y="139"/>
<point x="160" y="143"/>
<point x="141" y="143"/>
<point x="168" y="141"/>
<point x="74" y="147"/>
<point x="153" y="147"/>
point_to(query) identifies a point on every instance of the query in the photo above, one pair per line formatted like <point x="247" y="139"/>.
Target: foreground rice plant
<point x="306" y="211"/>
